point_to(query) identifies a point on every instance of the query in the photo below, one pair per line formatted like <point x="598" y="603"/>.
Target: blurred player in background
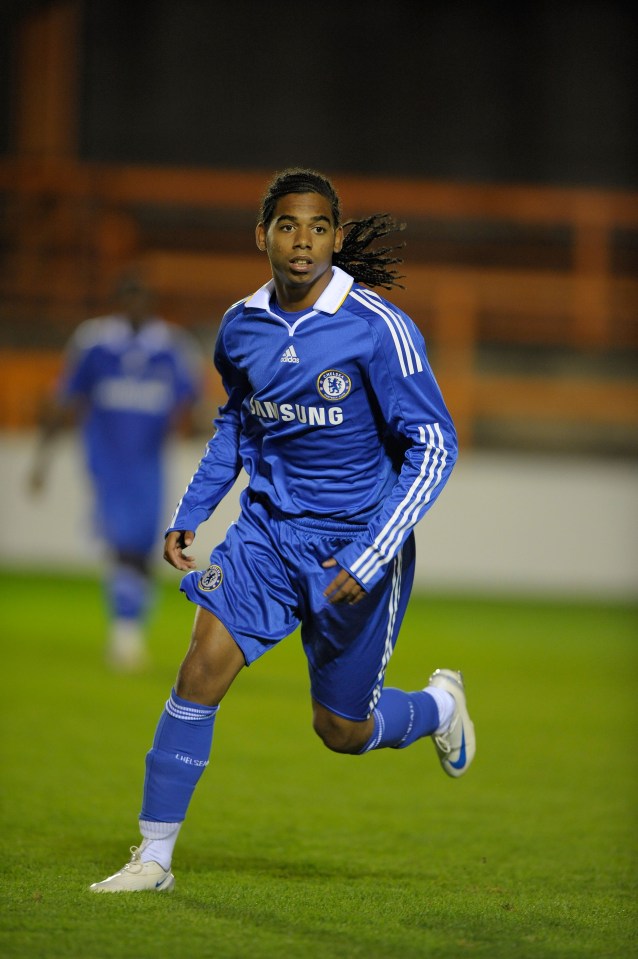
<point x="128" y="379"/>
<point x="335" y="414"/>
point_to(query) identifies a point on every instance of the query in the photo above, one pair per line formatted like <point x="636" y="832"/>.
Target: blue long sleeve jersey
<point x="334" y="413"/>
<point x="132" y="383"/>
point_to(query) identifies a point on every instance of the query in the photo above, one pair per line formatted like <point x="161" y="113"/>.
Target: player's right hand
<point x="175" y="544"/>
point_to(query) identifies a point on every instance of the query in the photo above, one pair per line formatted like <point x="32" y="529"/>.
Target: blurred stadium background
<point x="144" y="133"/>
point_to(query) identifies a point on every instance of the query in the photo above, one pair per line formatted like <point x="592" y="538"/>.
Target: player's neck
<point x="136" y="321"/>
<point x="294" y="299"/>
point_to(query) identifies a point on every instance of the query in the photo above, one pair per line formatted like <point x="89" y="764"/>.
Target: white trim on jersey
<point x="406" y="350"/>
<point x="329" y="301"/>
<point x="261" y="301"/>
<point x="116" y="331"/>
<point x="291" y="327"/>
<point x="334" y="295"/>
<point x="393" y="609"/>
<point x="407" y="512"/>
<point x="171" y="525"/>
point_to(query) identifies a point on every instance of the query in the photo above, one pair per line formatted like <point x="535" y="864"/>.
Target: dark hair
<point x="371" y="267"/>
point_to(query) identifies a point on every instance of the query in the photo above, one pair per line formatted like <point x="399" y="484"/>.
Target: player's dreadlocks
<point x="372" y="267"/>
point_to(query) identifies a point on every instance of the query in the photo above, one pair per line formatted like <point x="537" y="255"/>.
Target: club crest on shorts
<point x="333" y="385"/>
<point x="211" y="579"/>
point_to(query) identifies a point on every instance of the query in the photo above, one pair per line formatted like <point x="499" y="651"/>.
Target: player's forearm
<point x="216" y="473"/>
<point x="425" y="472"/>
<point x="54" y="419"/>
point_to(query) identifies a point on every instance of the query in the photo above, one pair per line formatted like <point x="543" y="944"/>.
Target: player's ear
<point x="260" y="237"/>
<point x="338" y="240"/>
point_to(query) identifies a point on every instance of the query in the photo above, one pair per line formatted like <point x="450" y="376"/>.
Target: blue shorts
<point x="266" y="579"/>
<point x="127" y="510"/>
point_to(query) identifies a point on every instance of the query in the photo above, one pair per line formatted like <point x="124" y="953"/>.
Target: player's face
<point x="135" y="303"/>
<point x="300" y="240"/>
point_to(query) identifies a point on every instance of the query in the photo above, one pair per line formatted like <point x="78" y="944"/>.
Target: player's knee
<point x="211" y="663"/>
<point x="195" y="683"/>
<point x="338" y="734"/>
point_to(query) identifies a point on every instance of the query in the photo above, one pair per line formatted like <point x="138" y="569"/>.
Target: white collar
<point x="329" y="301"/>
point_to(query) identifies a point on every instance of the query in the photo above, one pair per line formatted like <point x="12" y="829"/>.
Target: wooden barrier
<point x="71" y="228"/>
<point x="27" y="381"/>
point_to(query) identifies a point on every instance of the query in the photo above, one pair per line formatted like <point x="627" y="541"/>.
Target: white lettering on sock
<point x="190" y="761"/>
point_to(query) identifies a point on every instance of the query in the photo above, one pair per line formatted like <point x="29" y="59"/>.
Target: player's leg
<point x="127" y="515"/>
<point x="179" y="754"/>
<point x="339" y="734"/>
<point x="348" y="650"/>
<point x="183" y="739"/>
<point x="401" y="718"/>
<point x="129" y="588"/>
<point x="398" y="719"/>
<point x="241" y="614"/>
<point x="353" y="711"/>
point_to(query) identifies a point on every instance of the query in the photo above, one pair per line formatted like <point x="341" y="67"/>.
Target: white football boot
<point x="455" y="746"/>
<point x="126" y="651"/>
<point x="137" y="876"/>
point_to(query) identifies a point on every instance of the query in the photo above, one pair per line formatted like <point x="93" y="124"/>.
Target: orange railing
<point x="71" y="227"/>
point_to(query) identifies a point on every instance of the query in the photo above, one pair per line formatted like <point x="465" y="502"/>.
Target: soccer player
<point x="128" y="377"/>
<point x="335" y="414"/>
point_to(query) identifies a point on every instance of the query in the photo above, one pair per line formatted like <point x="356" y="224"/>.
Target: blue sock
<point x="128" y="591"/>
<point x="177" y="759"/>
<point x="401" y="718"/>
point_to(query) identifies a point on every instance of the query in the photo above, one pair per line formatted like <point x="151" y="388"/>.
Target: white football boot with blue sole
<point x="455" y="746"/>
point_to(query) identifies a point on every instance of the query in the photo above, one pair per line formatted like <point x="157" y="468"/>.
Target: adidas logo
<point x="289" y="356"/>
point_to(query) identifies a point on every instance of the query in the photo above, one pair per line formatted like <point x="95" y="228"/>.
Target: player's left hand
<point x="174" y="545"/>
<point x="344" y="588"/>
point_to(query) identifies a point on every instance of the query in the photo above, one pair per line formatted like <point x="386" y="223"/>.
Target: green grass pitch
<point x="293" y="852"/>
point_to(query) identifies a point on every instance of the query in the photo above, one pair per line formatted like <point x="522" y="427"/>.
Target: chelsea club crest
<point x="333" y="385"/>
<point x="211" y="579"/>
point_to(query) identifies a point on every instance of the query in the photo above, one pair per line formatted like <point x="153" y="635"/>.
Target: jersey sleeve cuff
<point x="349" y="557"/>
<point x="191" y="521"/>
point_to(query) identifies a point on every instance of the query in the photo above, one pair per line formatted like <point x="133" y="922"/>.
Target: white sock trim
<point x="158" y="830"/>
<point x="446" y="705"/>
<point x="159" y="841"/>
